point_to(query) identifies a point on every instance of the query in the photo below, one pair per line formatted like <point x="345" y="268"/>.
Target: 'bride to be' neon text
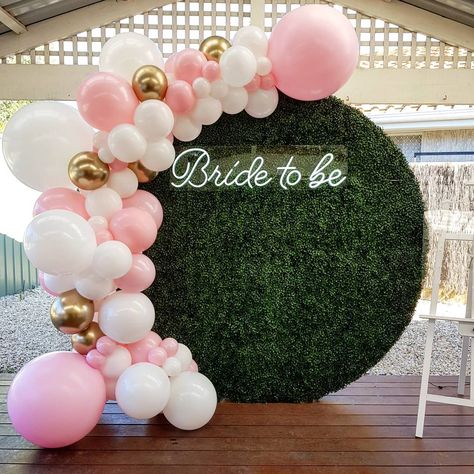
<point x="199" y="172"/>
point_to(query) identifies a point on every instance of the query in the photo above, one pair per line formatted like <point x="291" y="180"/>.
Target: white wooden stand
<point x="466" y="329"/>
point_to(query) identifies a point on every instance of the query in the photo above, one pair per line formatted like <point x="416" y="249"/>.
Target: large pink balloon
<point x="134" y="227"/>
<point x="56" y="399"/>
<point x="61" y="198"/>
<point x="105" y="100"/>
<point x="148" y="202"/>
<point x="180" y="97"/>
<point x="140" y="276"/>
<point x="313" y="50"/>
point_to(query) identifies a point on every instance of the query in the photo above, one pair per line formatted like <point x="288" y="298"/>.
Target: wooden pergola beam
<point x="11" y="22"/>
<point x="367" y="86"/>
<point x="415" y="19"/>
<point x="74" y="22"/>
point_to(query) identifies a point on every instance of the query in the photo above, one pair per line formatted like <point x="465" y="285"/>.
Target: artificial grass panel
<point x="289" y="295"/>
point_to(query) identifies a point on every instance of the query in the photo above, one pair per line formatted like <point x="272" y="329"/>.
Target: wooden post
<point x="257" y="13"/>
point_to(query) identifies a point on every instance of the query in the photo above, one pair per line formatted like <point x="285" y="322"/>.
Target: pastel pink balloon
<point x="157" y="356"/>
<point x="267" y="82"/>
<point x="140" y="276"/>
<point x="61" y="198"/>
<point x="105" y="345"/>
<point x="170" y="137"/>
<point x="43" y="284"/>
<point x="147" y="202"/>
<point x="95" y="359"/>
<point x="103" y="235"/>
<point x="170" y="345"/>
<point x="139" y="350"/>
<point x="211" y="71"/>
<point x="110" y="388"/>
<point x="193" y="367"/>
<point x="254" y="84"/>
<point x="105" y="100"/>
<point x="169" y="64"/>
<point x="188" y="64"/>
<point x="56" y="399"/>
<point x="180" y="97"/>
<point x="313" y="50"/>
<point x="134" y="227"/>
<point x="118" y="165"/>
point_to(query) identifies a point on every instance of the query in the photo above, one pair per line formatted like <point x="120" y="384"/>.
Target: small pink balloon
<point x="180" y="97"/>
<point x="211" y="71"/>
<point x="140" y="276"/>
<point x="110" y="388"/>
<point x="105" y="345"/>
<point x="188" y="65"/>
<point x="157" y="356"/>
<point x="61" y="198"/>
<point x="254" y="84"/>
<point x="314" y="51"/>
<point x="169" y="64"/>
<point x="103" y="235"/>
<point x="134" y="227"/>
<point x="117" y="165"/>
<point x="267" y="82"/>
<point x="56" y="399"/>
<point x="139" y="350"/>
<point x="105" y="101"/>
<point x="147" y="202"/>
<point x="193" y="367"/>
<point x="170" y="345"/>
<point x="95" y="359"/>
<point x="43" y="284"/>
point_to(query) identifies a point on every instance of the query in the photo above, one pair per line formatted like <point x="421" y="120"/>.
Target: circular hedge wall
<point x="289" y="295"/>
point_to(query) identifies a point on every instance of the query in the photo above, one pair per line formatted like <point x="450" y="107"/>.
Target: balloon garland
<point x="92" y="224"/>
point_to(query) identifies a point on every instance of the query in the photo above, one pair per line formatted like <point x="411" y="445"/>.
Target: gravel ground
<point x="26" y="332"/>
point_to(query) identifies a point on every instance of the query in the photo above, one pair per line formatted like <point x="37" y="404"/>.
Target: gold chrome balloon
<point x="149" y="82"/>
<point x="143" y="174"/>
<point x="85" y="341"/>
<point x="214" y="47"/>
<point x="87" y="172"/>
<point x="71" y="313"/>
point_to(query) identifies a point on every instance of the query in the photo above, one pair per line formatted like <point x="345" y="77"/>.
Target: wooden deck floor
<point x="366" y="428"/>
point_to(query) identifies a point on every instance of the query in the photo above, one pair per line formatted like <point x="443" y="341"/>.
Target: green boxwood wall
<point x="290" y="295"/>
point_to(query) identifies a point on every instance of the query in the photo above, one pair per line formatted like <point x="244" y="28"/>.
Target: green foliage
<point x="7" y="109"/>
<point x="290" y="295"/>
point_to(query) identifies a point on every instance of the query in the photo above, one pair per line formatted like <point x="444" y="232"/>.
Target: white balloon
<point x="125" y="182"/>
<point x="159" y="155"/>
<point x="103" y="202"/>
<point x="262" y="103"/>
<point x="185" y="129"/>
<point x="126" y="143"/>
<point x="58" y="283"/>
<point x="172" y="366"/>
<point x="253" y="38"/>
<point x="154" y="119"/>
<point x="126" y="317"/>
<point x="125" y="53"/>
<point x="98" y="223"/>
<point x="112" y="259"/>
<point x="219" y="89"/>
<point x="143" y="390"/>
<point x="116" y="363"/>
<point x="59" y="241"/>
<point x="184" y="355"/>
<point x="105" y="154"/>
<point x="238" y="66"/>
<point x="192" y="401"/>
<point x="202" y="87"/>
<point x="264" y="66"/>
<point x="92" y="286"/>
<point x="207" y="111"/>
<point x="100" y="139"/>
<point x="40" y="139"/>
<point x="235" y="101"/>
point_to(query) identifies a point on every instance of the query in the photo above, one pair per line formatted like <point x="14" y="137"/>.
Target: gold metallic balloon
<point x="72" y="313"/>
<point x="214" y="47"/>
<point x="149" y="82"/>
<point x="85" y="341"/>
<point x="143" y="174"/>
<point x="87" y="172"/>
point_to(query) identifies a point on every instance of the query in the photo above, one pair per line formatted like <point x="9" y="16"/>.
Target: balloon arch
<point x="92" y="223"/>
